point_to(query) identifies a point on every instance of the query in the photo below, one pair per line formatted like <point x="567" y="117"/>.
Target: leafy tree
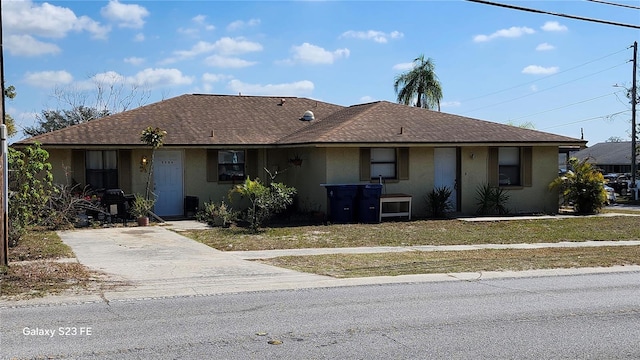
<point x="110" y="94"/>
<point x="265" y="201"/>
<point x="419" y="85"/>
<point x="614" y="139"/>
<point x="524" y="125"/>
<point x="583" y="187"/>
<point x="10" y="93"/>
<point x="51" y="120"/>
<point x="30" y="188"/>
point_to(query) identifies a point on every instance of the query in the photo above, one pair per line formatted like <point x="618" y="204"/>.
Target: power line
<point x="588" y="119"/>
<point x="513" y="7"/>
<point x="565" y="106"/>
<point x="616" y="4"/>
<point x="547" y="89"/>
<point x="545" y="77"/>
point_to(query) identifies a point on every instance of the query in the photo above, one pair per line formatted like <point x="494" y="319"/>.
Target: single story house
<point x="609" y="157"/>
<point x="215" y="141"/>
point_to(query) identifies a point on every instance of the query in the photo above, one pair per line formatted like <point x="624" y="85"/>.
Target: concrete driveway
<point x="159" y="262"/>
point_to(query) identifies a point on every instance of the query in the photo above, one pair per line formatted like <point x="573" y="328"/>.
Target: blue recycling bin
<point x="369" y="203"/>
<point x="342" y="203"/>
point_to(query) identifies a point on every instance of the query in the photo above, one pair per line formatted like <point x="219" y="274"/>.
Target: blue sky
<point x="494" y="64"/>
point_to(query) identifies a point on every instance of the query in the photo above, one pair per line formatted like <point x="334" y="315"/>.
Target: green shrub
<point x="491" y="200"/>
<point x="217" y="214"/>
<point x="264" y="201"/>
<point x="582" y="187"/>
<point x="438" y="202"/>
<point x="30" y="188"/>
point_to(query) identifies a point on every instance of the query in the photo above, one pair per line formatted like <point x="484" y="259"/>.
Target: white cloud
<point x="26" y="45"/>
<point x="298" y="88"/>
<point x="227" y="62"/>
<point x="225" y="46"/>
<point x="134" y="60"/>
<point x="208" y="77"/>
<point x="94" y="27"/>
<point x="160" y="77"/>
<point x="229" y="46"/>
<point x="366" y="99"/>
<point x="540" y="70"/>
<point x="533" y="88"/>
<point x="24" y="18"/>
<point x="200" y="22"/>
<point x="125" y="15"/>
<point x="239" y="24"/>
<point x="106" y="79"/>
<point x="147" y="78"/>
<point x="450" y="104"/>
<point x="545" y="47"/>
<point x="47" y="79"/>
<point x="377" y="36"/>
<point x="512" y="32"/>
<point x="553" y="26"/>
<point x="188" y="31"/>
<point x="403" y="66"/>
<point x="139" y="37"/>
<point x="312" y="54"/>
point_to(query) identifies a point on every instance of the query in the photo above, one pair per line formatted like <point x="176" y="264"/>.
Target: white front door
<point x="445" y="169"/>
<point x="167" y="179"/>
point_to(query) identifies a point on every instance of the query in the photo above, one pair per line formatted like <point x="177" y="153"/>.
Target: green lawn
<point x="422" y="232"/>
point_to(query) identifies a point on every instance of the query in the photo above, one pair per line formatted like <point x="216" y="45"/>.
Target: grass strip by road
<point x="438" y="262"/>
<point x="422" y="232"/>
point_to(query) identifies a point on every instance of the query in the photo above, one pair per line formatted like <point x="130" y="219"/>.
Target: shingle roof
<point x="190" y="119"/>
<point x="386" y="122"/>
<point x="606" y="153"/>
<point x="260" y="120"/>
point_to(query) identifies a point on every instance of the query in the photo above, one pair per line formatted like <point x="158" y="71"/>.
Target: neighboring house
<point x="610" y="157"/>
<point x="215" y="141"/>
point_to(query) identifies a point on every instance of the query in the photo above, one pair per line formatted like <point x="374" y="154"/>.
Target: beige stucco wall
<point x="538" y="198"/>
<point x="343" y="167"/>
<point x="334" y="165"/>
<point x="307" y="177"/>
<point x="534" y="199"/>
<point x="60" y="160"/>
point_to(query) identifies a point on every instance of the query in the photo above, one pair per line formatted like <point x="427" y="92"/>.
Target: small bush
<point x="438" y="202"/>
<point x="217" y="214"/>
<point x="583" y="187"/>
<point x="265" y="201"/>
<point x="491" y="200"/>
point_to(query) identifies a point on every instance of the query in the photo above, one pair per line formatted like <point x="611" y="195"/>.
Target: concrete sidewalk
<point x="157" y="261"/>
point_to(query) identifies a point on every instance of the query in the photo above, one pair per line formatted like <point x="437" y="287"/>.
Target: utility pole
<point x="634" y="100"/>
<point x="4" y="165"/>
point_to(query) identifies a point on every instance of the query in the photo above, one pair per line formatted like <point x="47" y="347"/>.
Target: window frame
<point x="401" y="165"/>
<point x="525" y="165"/>
<point x="382" y="162"/>
<point x="109" y="177"/>
<point x="219" y="174"/>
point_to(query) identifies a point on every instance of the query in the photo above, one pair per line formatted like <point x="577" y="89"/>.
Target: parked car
<point x="620" y="184"/>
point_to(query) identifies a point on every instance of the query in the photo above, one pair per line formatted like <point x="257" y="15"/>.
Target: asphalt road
<point x="577" y="317"/>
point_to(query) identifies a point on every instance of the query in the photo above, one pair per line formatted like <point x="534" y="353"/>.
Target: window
<point x="510" y="166"/>
<point x="383" y="163"/>
<point x="102" y="169"/>
<point x="231" y="165"/>
<point x="390" y="163"/>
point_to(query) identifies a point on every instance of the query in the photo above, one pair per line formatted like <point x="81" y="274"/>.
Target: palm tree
<point x="419" y="83"/>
